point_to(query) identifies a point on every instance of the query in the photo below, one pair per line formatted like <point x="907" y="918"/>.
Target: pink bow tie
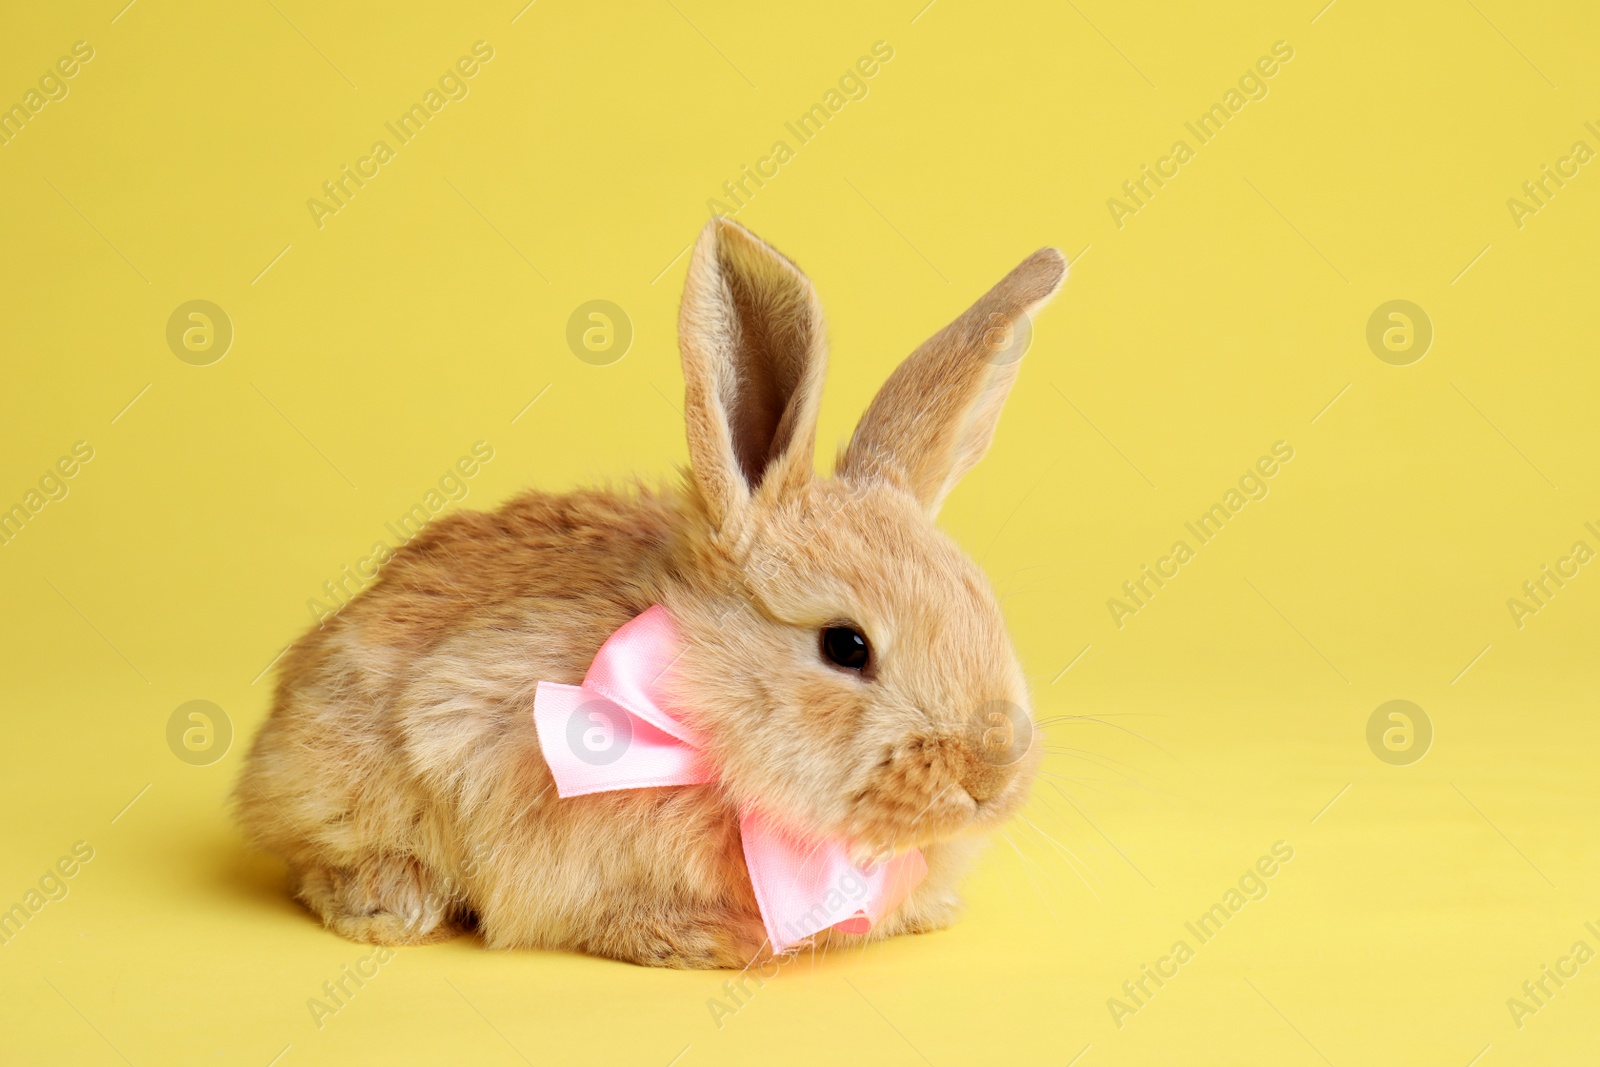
<point x="614" y="732"/>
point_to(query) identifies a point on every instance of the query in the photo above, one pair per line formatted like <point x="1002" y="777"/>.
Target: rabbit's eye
<point x="847" y="647"/>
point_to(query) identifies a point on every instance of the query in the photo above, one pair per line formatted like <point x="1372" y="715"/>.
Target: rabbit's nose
<point x="981" y="779"/>
<point x="997" y="735"/>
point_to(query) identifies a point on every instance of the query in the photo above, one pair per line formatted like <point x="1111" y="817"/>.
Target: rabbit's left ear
<point x="754" y="351"/>
<point x="934" y="417"/>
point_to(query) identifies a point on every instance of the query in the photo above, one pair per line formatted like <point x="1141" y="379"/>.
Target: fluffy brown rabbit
<point x="400" y="775"/>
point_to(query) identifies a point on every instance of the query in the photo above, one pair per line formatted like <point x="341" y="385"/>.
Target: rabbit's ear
<point x="934" y="417"/>
<point x="754" y="351"/>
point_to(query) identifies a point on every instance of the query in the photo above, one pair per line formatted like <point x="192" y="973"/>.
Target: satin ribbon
<point x="615" y="732"/>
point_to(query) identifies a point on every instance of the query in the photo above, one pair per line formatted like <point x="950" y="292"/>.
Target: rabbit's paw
<point x="693" y="941"/>
<point x="924" y="913"/>
<point x="384" y="900"/>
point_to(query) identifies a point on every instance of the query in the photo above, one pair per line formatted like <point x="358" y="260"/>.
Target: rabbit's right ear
<point x="934" y="417"/>
<point x="754" y="351"/>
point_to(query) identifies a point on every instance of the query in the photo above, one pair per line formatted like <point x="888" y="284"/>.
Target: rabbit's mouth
<point x="929" y="790"/>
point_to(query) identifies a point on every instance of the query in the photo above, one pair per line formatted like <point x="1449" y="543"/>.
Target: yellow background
<point x="1222" y="317"/>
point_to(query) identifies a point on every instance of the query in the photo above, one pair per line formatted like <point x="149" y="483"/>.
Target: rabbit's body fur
<point x="400" y="774"/>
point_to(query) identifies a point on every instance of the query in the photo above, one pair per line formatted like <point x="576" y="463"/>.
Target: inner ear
<point x="772" y="351"/>
<point x="754" y="350"/>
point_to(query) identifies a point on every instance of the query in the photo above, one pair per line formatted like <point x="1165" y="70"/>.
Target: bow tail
<point x="804" y="888"/>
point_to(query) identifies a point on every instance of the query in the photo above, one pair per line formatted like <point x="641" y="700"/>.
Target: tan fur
<point x="400" y="774"/>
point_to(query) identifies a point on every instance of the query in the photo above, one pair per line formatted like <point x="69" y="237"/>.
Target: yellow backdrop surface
<point x="1245" y="193"/>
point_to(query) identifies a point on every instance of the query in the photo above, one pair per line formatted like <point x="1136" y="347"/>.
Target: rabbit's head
<point x="847" y="663"/>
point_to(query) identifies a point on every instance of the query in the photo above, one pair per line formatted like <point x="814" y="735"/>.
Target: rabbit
<point x="399" y="773"/>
